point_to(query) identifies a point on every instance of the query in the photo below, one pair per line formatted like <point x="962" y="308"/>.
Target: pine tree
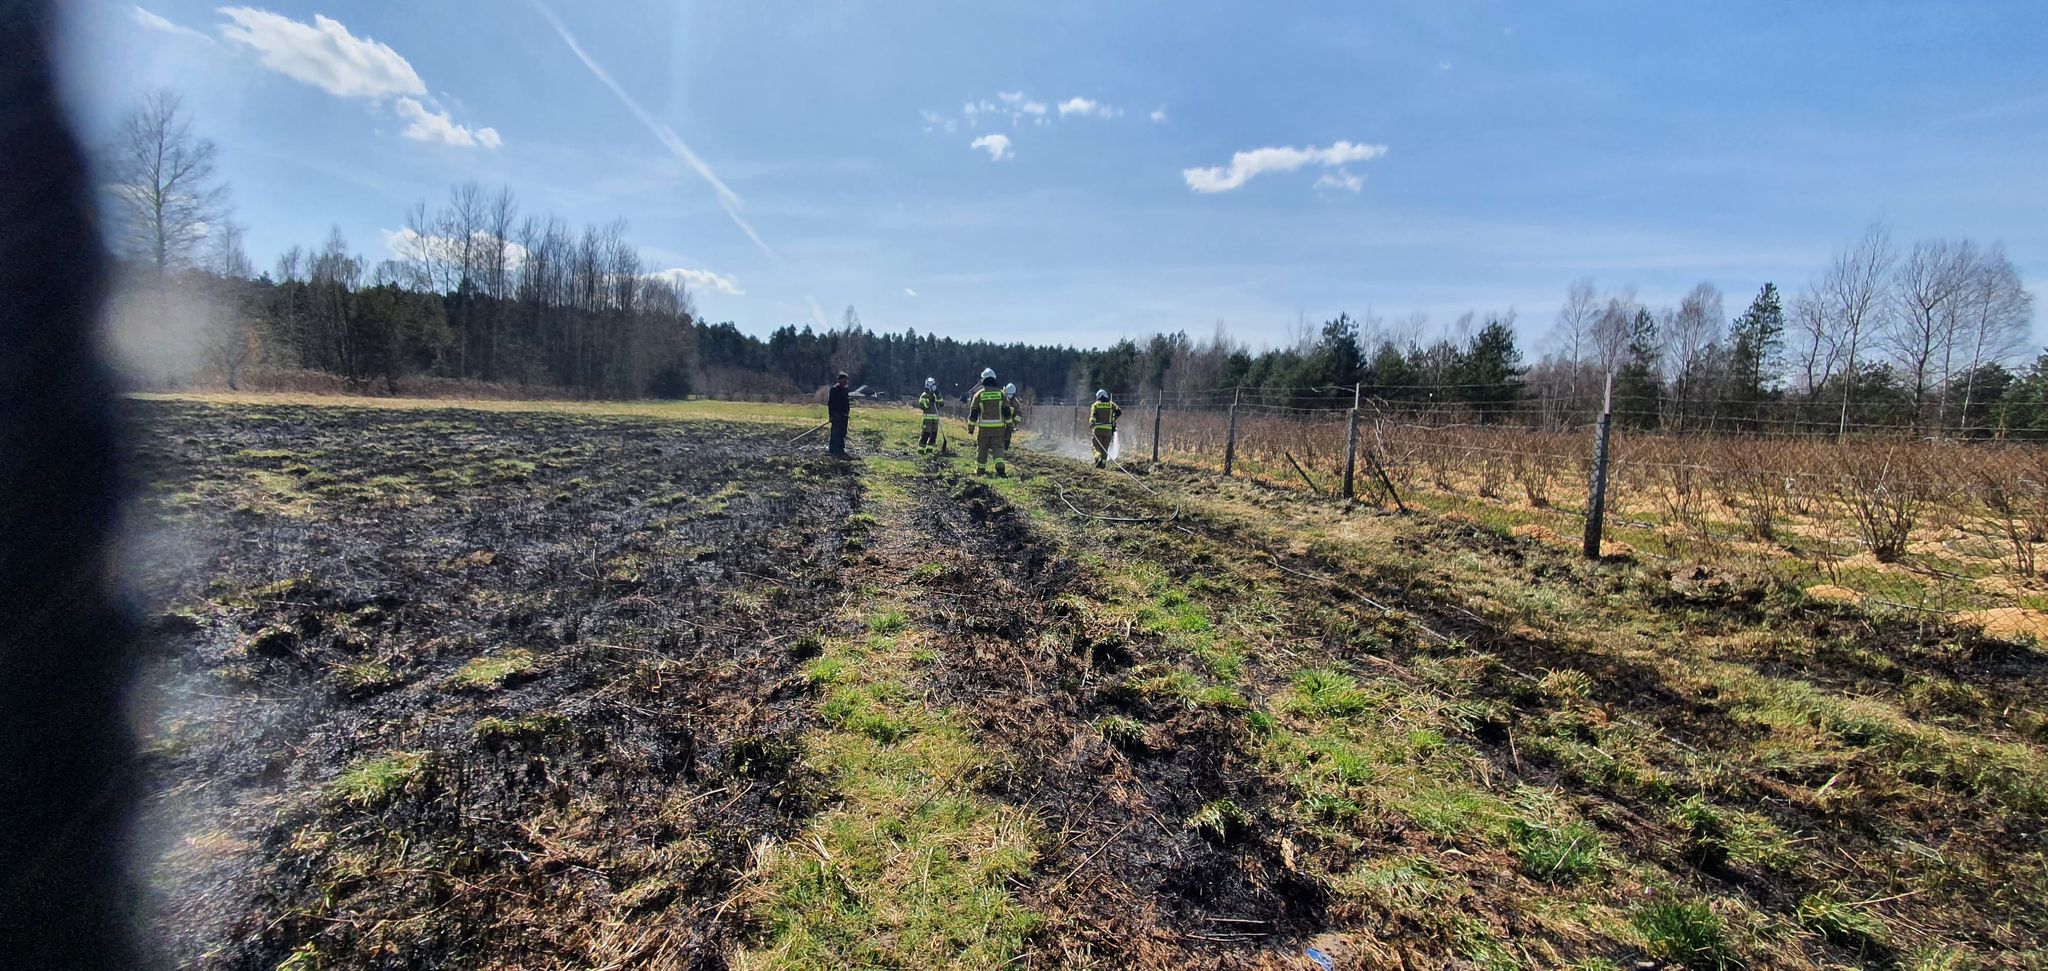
<point x="1753" y="356"/>
<point x="1638" y="388"/>
<point x="1490" y="370"/>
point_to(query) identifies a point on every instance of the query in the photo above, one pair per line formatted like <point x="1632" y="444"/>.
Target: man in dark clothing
<point x="837" y="407"/>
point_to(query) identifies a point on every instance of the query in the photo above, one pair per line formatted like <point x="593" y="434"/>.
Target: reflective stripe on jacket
<point x="989" y="408"/>
<point x="929" y="404"/>
<point x="1104" y="415"/>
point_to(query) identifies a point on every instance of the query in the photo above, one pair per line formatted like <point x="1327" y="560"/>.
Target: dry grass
<point x="1950" y="512"/>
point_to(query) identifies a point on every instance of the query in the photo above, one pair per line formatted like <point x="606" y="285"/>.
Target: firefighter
<point x="929" y="404"/>
<point x="989" y="416"/>
<point x="1016" y="415"/>
<point x="1102" y="418"/>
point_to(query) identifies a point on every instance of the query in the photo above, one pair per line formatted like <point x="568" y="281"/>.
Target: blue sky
<point x="1435" y="156"/>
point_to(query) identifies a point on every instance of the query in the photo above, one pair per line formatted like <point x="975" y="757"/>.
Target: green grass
<point x="1839" y="921"/>
<point x="493" y="673"/>
<point x="361" y="679"/>
<point x="370" y="783"/>
<point x="911" y="867"/>
<point x="1220" y="821"/>
<point x="305" y="957"/>
<point x="1327" y="693"/>
<point x="1687" y="933"/>
<point x="1563" y="853"/>
<point x="1122" y="731"/>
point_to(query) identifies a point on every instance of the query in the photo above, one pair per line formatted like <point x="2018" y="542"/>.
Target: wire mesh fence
<point x="1873" y="488"/>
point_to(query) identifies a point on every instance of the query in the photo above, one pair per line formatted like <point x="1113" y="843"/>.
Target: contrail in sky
<point x="662" y="132"/>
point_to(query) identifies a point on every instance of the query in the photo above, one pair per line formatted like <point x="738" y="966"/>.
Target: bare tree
<point x="1819" y="350"/>
<point x="229" y="336"/>
<point x="335" y="275"/>
<point x="1691" y="336"/>
<point x="499" y="211"/>
<point x="1853" y="293"/>
<point x="1926" y="290"/>
<point x="1574" y="332"/>
<point x="1611" y="331"/>
<point x="165" y="191"/>
<point x="1997" y="313"/>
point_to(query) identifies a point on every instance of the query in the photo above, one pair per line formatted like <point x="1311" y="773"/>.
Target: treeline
<point x="1929" y="338"/>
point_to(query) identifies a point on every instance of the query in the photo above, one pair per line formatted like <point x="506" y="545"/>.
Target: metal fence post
<point x="1351" y="444"/>
<point x="1230" y="443"/>
<point x="1156" y="406"/>
<point x="1596" y="488"/>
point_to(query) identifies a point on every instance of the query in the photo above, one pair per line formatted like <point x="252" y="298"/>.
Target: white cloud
<point x="933" y="121"/>
<point x="1245" y="166"/>
<point x="327" y="56"/>
<point x="1158" y="115"/>
<point x="430" y="125"/>
<point x="1341" y="179"/>
<point x="1032" y="107"/>
<point x="1086" y="108"/>
<point x="1011" y="98"/>
<point x="1443" y="65"/>
<point x="997" y="147"/>
<point x="699" y="280"/>
<point x="323" y="54"/>
<point x="909" y="292"/>
<point x="156" y="22"/>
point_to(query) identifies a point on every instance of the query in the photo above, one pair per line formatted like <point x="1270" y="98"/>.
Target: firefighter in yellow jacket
<point x="989" y="416"/>
<point x="1102" y="418"/>
<point x="929" y="404"/>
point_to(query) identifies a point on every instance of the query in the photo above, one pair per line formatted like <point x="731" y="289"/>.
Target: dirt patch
<point x="1999" y="585"/>
<point x="1830" y="594"/>
<point x="2007" y="623"/>
<point x="1542" y="534"/>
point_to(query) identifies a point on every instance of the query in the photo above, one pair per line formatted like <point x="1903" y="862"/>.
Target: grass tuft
<point x="370" y="783"/>
<point x="1687" y="933"/>
<point x="1840" y="922"/>
<point x="1220" y="821"/>
<point x="493" y="673"/>
<point x="1559" y="854"/>
<point x="1122" y="731"/>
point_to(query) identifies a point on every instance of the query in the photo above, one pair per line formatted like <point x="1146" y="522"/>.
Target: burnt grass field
<point x="428" y="687"/>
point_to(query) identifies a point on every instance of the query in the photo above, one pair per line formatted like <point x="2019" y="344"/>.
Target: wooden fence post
<point x="1596" y="487"/>
<point x="1230" y="443"/>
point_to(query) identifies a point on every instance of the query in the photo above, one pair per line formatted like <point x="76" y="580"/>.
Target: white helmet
<point x="1010" y="389"/>
<point x="988" y="374"/>
<point x="1101" y="395"/>
<point x="931" y="384"/>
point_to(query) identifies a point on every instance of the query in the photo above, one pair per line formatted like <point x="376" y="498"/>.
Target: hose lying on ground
<point x="1115" y="519"/>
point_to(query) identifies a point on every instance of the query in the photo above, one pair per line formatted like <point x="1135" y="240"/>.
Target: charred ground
<point x="531" y="689"/>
